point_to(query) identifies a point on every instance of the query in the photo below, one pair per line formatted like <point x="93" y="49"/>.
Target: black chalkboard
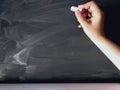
<point x="40" y="42"/>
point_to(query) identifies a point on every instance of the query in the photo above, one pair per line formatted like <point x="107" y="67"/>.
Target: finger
<point x="85" y="6"/>
<point x="94" y="6"/>
<point x="84" y="12"/>
<point x="81" y="19"/>
<point x="79" y="26"/>
<point x="91" y="6"/>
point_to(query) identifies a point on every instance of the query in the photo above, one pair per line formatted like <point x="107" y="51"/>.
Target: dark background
<point x="40" y="42"/>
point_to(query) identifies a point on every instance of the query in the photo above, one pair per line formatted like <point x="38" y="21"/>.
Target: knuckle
<point x="92" y="1"/>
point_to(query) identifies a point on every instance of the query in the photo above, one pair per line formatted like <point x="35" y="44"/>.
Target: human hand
<point x="94" y="25"/>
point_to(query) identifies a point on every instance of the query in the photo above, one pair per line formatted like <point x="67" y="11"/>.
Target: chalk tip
<point x="74" y="8"/>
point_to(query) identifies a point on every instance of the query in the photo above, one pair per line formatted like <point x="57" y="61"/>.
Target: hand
<point x="94" y="25"/>
<point x="94" y="29"/>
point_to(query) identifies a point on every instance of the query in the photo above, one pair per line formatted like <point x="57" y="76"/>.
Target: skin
<point x="93" y="27"/>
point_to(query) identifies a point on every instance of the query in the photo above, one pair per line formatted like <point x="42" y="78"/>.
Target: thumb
<point x="81" y="19"/>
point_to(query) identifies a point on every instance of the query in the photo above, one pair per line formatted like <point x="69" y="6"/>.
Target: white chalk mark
<point x="22" y="56"/>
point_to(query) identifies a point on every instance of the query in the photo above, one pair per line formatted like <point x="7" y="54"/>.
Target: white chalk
<point x="74" y="8"/>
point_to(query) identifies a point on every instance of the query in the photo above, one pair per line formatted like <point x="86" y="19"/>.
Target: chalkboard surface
<point x="40" y="42"/>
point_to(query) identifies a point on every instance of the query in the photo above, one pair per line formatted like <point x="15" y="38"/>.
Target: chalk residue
<point x="22" y="56"/>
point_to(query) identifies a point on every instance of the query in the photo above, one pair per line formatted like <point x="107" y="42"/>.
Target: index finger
<point x="91" y="6"/>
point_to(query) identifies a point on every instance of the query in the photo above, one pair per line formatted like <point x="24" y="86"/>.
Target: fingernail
<point x="79" y="6"/>
<point x="80" y="9"/>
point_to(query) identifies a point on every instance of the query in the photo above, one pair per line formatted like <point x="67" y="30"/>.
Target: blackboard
<point x="40" y="42"/>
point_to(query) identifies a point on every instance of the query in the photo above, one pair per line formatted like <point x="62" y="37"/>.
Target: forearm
<point x="110" y="49"/>
<point x="94" y="27"/>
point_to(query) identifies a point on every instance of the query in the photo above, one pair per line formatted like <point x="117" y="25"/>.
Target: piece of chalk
<point x="74" y="8"/>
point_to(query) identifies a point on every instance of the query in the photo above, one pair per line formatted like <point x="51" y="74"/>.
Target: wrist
<point x="98" y="38"/>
